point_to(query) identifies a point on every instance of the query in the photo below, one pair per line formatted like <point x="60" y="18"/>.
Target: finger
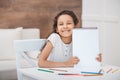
<point x="100" y="54"/>
<point x="98" y="59"/>
<point x="75" y="62"/>
<point x="75" y="56"/>
<point x="76" y="59"/>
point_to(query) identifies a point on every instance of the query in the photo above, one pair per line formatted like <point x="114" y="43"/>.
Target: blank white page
<point x="86" y="47"/>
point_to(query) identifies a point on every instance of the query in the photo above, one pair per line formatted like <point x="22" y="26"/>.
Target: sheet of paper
<point x="86" y="48"/>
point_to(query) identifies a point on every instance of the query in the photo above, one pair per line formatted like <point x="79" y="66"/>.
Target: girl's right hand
<point x="72" y="61"/>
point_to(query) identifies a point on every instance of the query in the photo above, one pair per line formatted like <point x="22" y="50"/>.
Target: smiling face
<point x="65" y="26"/>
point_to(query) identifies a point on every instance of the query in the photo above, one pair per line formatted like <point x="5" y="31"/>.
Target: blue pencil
<point x="91" y="72"/>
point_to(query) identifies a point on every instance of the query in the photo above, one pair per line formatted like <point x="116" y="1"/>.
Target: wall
<point x="35" y="13"/>
<point x="104" y="14"/>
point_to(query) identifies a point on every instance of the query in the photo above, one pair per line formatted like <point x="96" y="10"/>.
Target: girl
<point x="58" y="50"/>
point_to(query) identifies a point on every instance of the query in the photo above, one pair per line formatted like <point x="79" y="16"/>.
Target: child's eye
<point x="69" y="23"/>
<point x="61" y="24"/>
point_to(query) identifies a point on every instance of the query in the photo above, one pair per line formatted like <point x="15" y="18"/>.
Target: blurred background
<point x="35" y="13"/>
<point x="104" y="14"/>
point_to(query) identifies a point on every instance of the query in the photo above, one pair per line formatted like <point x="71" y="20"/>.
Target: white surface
<point x="7" y="54"/>
<point x="86" y="47"/>
<point x="6" y="42"/>
<point x="7" y="65"/>
<point x="7" y="36"/>
<point x="40" y="75"/>
<point x="104" y="14"/>
<point x="29" y="49"/>
<point x="22" y="47"/>
<point x="28" y="32"/>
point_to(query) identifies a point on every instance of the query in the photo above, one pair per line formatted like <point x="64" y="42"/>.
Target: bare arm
<point x="43" y="62"/>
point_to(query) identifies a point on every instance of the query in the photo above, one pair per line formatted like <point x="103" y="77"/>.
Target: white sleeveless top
<point x="61" y="52"/>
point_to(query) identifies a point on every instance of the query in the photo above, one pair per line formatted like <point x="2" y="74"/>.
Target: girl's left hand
<point x="99" y="57"/>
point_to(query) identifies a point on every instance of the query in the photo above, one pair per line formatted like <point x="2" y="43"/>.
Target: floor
<point x="8" y="75"/>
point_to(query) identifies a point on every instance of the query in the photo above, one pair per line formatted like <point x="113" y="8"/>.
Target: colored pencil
<point x="115" y="70"/>
<point x="58" y="70"/>
<point x="109" y="70"/>
<point x="91" y="73"/>
<point x="81" y="74"/>
<point x="45" y="70"/>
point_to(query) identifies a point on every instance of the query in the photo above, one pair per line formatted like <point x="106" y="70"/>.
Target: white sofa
<point x="7" y="53"/>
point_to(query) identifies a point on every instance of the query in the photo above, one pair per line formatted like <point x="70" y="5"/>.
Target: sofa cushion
<point x="30" y="33"/>
<point x="6" y="65"/>
<point x="7" y="36"/>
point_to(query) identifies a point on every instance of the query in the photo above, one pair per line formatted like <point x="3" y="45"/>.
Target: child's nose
<point x="65" y="26"/>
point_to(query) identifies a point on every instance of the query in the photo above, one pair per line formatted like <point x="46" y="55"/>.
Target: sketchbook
<point x="86" y="48"/>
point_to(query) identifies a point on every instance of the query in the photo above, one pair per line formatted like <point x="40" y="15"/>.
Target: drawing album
<point x="86" y="48"/>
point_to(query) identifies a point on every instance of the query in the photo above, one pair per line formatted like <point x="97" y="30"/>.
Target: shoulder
<point x="53" y="38"/>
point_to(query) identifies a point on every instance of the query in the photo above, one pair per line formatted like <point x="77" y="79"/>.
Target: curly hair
<point x="70" y="13"/>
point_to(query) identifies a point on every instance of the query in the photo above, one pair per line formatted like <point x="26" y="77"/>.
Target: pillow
<point x="7" y="36"/>
<point x="31" y="33"/>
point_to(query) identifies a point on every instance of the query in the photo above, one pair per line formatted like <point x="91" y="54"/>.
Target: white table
<point x="34" y="74"/>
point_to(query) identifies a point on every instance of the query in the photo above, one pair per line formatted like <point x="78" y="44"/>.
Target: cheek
<point x="73" y="27"/>
<point x="58" y="30"/>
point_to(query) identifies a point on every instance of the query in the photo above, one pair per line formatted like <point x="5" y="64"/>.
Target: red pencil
<point x="81" y="74"/>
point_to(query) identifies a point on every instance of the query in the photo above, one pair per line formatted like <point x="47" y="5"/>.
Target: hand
<point x="72" y="61"/>
<point x="99" y="58"/>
